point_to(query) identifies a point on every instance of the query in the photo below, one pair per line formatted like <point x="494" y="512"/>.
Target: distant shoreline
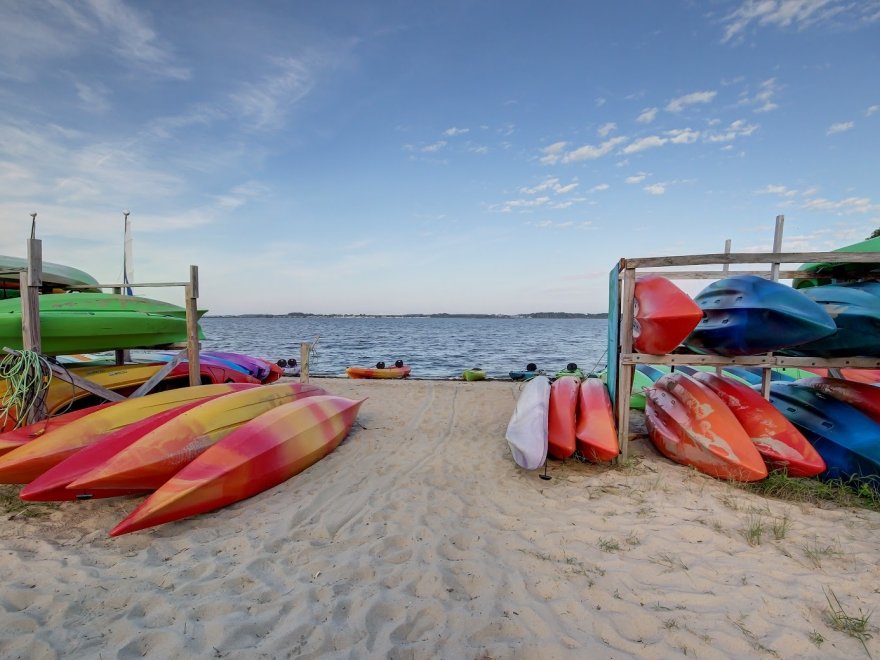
<point x="302" y="315"/>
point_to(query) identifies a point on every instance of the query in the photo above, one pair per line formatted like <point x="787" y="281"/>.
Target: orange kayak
<point x="561" y="442"/>
<point x="663" y="315"/>
<point x="776" y="439"/>
<point x="691" y="425"/>
<point x="29" y="461"/>
<point x="156" y="456"/>
<point x="259" y="455"/>
<point x="860" y="395"/>
<point x="373" y="372"/>
<point x="596" y="432"/>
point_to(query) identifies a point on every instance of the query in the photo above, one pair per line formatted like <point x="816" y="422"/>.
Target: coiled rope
<point x="26" y="375"/>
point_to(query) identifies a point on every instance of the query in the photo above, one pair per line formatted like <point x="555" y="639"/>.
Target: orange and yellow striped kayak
<point x="29" y="461"/>
<point x="159" y="454"/>
<point x="373" y="372"/>
<point x="259" y="455"/>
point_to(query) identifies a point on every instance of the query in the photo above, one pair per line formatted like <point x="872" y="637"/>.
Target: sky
<point x="464" y="156"/>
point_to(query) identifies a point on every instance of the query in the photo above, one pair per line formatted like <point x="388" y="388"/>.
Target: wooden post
<point x="724" y="269"/>
<point x="305" y="349"/>
<point x="192" y="327"/>
<point x="29" y="285"/>
<point x="625" y="371"/>
<point x="767" y="373"/>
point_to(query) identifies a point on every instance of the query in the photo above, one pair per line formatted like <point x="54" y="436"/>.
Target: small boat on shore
<point x="399" y="370"/>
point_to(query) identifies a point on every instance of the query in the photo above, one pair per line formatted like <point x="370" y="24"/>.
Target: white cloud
<point x="772" y="189"/>
<point x="680" y="103"/>
<point x="798" y="14"/>
<point x="655" y="188"/>
<point x="600" y="102"/>
<point x="93" y="98"/>
<point x="267" y="102"/>
<point x="738" y="128"/>
<point x="599" y="188"/>
<point x="846" y="206"/>
<point x="764" y="99"/>
<point x="605" y="129"/>
<point x="871" y="110"/>
<point x="481" y="150"/>
<point x="452" y="132"/>
<point x="591" y="152"/>
<point x="647" y="115"/>
<point x="553" y="153"/>
<point x="644" y="143"/>
<point x="433" y="148"/>
<point x="841" y="127"/>
<point x="521" y="204"/>
<point x="552" y="184"/>
<point x="683" y="136"/>
<point x="636" y="178"/>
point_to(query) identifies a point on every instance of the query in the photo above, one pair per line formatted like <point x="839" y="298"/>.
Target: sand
<point x="420" y="538"/>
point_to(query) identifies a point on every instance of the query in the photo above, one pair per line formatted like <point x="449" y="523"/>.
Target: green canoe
<point x="89" y="322"/>
<point x="827" y="273"/>
<point x="55" y="276"/>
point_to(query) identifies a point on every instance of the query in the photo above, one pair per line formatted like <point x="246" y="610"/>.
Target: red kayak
<point x="663" y="315"/>
<point x="259" y="455"/>
<point x="596" y="432"/>
<point x="777" y="440"/>
<point x="860" y="395"/>
<point x="563" y="413"/>
<point x="689" y="424"/>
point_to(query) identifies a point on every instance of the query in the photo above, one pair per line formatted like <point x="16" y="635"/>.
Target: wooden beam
<point x="625" y="371"/>
<point x="305" y="349"/>
<point x="752" y="361"/>
<point x="754" y="258"/>
<point x="720" y="274"/>
<point x="124" y="284"/>
<point x="159" y="376"/>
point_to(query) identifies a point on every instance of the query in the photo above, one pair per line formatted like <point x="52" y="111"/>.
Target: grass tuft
<point x="12" y="505"/>
<point x="854" y="626"/>
<point x="843" y="493"/>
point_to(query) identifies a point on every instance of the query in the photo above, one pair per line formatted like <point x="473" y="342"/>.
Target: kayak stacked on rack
<point x="55" y="277"/>
<point x="199" y="448"/>
<point x="87" y="322"/>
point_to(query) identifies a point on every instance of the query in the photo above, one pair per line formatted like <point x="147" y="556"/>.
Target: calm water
<point x="435" y="348"/>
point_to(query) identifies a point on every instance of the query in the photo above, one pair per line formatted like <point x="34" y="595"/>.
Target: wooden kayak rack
<point x="30" y="282"/>
<point x="621" y="358"/>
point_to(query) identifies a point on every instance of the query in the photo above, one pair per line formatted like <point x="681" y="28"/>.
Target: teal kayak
<point x="54" y="276"/>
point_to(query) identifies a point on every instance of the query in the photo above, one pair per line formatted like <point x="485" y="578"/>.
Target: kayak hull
<point x="663" y="315"/>
<point x="259" y="455"/>
<point x="691" y="425"/>
<point x="528" y="426"/>
<point x="596" y="431"/>
<point x="561" y="441"/>
<point x="373" y="372"/>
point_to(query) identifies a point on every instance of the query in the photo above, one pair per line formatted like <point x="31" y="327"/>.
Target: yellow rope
<point x="26" y="376"/>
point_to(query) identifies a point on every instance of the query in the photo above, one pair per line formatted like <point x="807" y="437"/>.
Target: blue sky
<point x="457" y="156"/>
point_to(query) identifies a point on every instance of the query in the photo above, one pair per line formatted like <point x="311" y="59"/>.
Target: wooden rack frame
<point x="622" y="360"/>
<point x="30" y="282"/>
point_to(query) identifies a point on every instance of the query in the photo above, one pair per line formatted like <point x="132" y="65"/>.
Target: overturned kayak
<point x="527" y="429"/>
<point x="596" y="431"/>
<point x="747" y="315"/>
<point x="663" y="315"/>
<point x="856" y="314"/>
<point x="691" y="425"/>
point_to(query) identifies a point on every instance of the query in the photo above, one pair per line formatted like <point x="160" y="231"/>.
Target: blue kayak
<point x="856" y="314"/>
<point x="748" y="315"/>
<point x="847" y="439"/>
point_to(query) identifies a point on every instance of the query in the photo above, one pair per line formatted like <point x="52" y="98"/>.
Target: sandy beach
<point x="420" y="538"/>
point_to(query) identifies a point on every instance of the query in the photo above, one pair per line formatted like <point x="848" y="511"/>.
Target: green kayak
<point x="474" y="374"/>
<point x="89" y="322"/>
<point x="828" y="273"/>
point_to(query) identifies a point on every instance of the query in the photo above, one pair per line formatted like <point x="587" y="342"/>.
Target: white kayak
<point x="527" y="430"/>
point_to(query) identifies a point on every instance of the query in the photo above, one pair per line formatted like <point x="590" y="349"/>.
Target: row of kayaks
<point x="749" y="315"/>
<point x="194" y="448"/>
<point x="718" y="424"/>
<point x="215" y="367"/>
<point x="571" y="416"/>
